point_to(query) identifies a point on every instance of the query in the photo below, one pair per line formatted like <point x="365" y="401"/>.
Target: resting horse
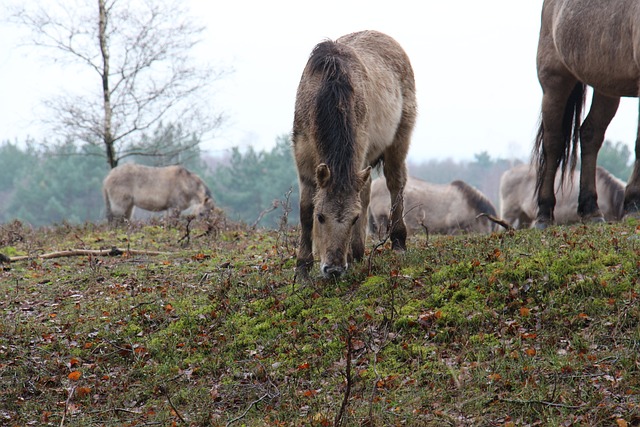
<point x="517" y="202"/>
<point x="355" y="107"/>
<point x="438" y="208"/>
<point x="170" y="188"/>
<point x="581" y="43"/>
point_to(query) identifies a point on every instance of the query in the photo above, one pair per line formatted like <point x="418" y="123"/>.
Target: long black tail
<point x="571" y="130"/>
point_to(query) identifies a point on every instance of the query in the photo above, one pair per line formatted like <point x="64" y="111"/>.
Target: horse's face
<point x="335" y="217"/>
<point x="205" y="209"/>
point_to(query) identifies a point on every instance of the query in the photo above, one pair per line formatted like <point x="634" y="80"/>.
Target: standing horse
<point x="355" y="107"/>
<point x="584" y="42"/>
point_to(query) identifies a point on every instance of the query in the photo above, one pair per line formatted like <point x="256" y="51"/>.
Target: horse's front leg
<point x="603" y="109"/>
<point x="359" y="236"/>
<point x="305" y="249"/>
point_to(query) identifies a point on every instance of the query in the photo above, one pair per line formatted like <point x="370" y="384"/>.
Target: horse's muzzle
<point x="332" y="271"/>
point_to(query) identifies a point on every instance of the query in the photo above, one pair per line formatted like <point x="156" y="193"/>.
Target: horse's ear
<point x="364" y="175"/>
<point x="322" y="175"/>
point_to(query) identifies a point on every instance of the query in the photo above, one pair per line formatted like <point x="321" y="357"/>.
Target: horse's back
<point x="389" y="88"/>
<point x="383" y="85"/>
<point x="440" y="208"/>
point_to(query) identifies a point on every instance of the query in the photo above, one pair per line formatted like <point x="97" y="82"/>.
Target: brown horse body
<point x="584" y="42"/>
<point x="171" y="188"/>
<point x="439" y="208"/>
<point x="518" y="206"/>
<point x="355" y="107"/>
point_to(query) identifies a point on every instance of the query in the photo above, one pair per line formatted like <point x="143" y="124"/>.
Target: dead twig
<point x="187" y="233"/>
<point x="66" y="405"/>
<point x="273" y="207"/>
<point x="166" y="393"/>
<point x="246" y="411"/>
<point x="347" y="391"/>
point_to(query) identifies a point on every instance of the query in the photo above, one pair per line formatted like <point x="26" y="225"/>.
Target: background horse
<point x="440" y="208"/>
<point x="581" y="43"/>
<point x="355" y="107"/>
<point x="170" y="188"/>
<point x="518" y="206"/>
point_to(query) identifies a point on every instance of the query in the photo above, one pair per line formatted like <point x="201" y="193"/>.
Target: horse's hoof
<point x="597" y="220"/>
<point x="302" y="273"/>
<point x="541" y="225"/>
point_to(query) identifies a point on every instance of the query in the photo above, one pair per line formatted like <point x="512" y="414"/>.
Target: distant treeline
<point x="52" y="184"/>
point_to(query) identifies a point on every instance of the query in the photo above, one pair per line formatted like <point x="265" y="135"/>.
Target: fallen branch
<point x="540" y="402"/>
<point x="80" y="252"/>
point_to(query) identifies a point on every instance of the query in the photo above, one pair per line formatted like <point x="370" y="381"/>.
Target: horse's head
<point x="206" y="207"/>
<point x="336" y="213"/>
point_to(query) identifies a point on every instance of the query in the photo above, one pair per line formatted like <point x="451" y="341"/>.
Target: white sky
<point x="474" y="64"/>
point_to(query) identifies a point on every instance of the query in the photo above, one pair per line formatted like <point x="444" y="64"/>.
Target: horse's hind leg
<point x="395" y="172"/>
<point x="632" y="192"/>
<point x="592" y="131"/>
<point x="555" y="103"/>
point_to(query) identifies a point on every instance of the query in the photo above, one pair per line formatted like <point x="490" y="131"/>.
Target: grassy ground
<point x="521" y="328"/>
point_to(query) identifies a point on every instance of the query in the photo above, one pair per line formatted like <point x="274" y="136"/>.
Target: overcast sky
<point x="474" y="64"/>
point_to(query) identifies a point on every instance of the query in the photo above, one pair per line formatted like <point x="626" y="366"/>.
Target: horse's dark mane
<point x="334" y="111"/>
<point x="476" y="200"/>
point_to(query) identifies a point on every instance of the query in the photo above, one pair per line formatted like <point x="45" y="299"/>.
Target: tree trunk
<point x="107" y="135"/>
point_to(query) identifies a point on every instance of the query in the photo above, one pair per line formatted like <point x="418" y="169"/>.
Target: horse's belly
<point x="150" y="202"/>
<point x="383" y="124"/>
<point x="612" y="83"/>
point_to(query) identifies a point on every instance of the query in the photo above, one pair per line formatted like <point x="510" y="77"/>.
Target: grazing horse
<point x="584" y="42"/>
<point x="355" y="107"/>
<point x="518" y="205"/>
<point x="171" y="188"/>
<point x="439" y="208"/>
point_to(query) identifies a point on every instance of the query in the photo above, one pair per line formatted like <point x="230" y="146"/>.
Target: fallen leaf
<point x="83" y="391"/>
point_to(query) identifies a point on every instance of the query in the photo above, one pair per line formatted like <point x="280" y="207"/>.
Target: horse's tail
<point x="571" y="131"/>
<point x="107" y="204"/>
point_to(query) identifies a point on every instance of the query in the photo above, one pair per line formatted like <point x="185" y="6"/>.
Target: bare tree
<point x="140" y="52"/>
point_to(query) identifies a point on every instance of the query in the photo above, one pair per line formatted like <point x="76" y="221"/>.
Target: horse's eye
<point x="355" y="220"/>
<point x="321" y="218"/>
